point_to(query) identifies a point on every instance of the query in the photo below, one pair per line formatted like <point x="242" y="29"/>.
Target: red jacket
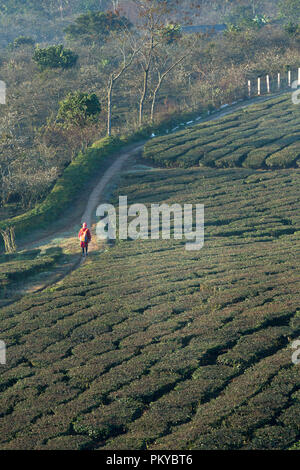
<point x="81" y="231"/>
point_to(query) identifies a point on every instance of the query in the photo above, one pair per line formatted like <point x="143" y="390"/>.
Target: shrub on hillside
<point x="96" y="26"/>
<point x="54" y="57"/>
<point x="256" y="158"/>
<point x="285" y="158"/>
<point x="247" y="138"/>
<point x="234" y="158"/>
<point x="22" y="41"/>
<point x="273" y="438"/>
<point x="78" y="109"/>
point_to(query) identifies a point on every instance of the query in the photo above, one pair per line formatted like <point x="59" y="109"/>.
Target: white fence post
<point x="258" y="86"/>
<point x="249" y="88"/>
<point x="268" y="83"/>
<point x="299" y="76"/>
<point x="289" y="78"/>
<point x="279" y="81"/>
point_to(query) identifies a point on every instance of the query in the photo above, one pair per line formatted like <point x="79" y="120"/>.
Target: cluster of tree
<point x="54" y="57"/>
<point x="79" y="109"/>
<point x="25" y="176"/>
<point x="219" y="8"/>
<point x="96" y="27"/>
<point x="114" y="75"/>
<point x="20" y="16"/>
<point x="151" y="46"/>
<point x="44" y="20"/>
<point x="51" y="7"/>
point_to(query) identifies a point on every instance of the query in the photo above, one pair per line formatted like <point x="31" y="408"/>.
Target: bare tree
<point x="127" y="60"/>
<point x="157" y="53"/>
<point x="115" y="5"/>
<point x="152" y="18"/>
<point x="162" y="71"/>
<point x="146" y="61"/>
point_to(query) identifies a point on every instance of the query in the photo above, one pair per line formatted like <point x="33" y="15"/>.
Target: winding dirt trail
<point x="98" y="191"/>
<point x="116" y="167"/>
<point x="67" y="236"/>
<point x="110" y="173"/>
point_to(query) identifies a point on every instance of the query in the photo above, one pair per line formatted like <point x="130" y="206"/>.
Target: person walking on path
<point x="85" y="237"/>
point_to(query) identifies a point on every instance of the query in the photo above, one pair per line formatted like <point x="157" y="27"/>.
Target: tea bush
<point x="245" y="138"/>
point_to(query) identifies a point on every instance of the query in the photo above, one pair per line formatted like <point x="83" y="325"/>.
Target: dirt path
<point x="112" y="171"/>
<point x="115" y="169"/>
<point x="67" y="237"/>
<point x="98" y="192"/>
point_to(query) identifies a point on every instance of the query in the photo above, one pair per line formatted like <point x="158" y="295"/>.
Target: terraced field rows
<point x="150" y="346"/>
<point x="14" y="268"/>
<point x="265" y="135"/>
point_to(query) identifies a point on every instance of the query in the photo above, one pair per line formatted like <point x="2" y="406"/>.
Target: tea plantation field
<point x="15" y="267"/>
<point x="149" y="346"/>
<point x="265" y="135"/>
<point x="32" y="270"/>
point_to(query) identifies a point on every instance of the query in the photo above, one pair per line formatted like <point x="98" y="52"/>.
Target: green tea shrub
<point x="285" y="158"/>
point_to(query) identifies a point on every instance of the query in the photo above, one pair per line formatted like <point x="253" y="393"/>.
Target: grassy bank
<point x="67" y="188"/>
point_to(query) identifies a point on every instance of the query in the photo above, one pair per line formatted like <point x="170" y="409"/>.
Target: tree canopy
<point x="54" y="57"/>
<point x="96" y="26"/>
<point x="78" y="108"/>
<point x="171" y="33"/>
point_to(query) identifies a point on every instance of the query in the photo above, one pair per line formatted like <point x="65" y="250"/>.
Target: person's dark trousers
<point x="85" y="250"/>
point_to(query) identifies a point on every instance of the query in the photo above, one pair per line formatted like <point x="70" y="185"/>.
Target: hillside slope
<point x="150" y="346"/>
<point x="265" y="135"/>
